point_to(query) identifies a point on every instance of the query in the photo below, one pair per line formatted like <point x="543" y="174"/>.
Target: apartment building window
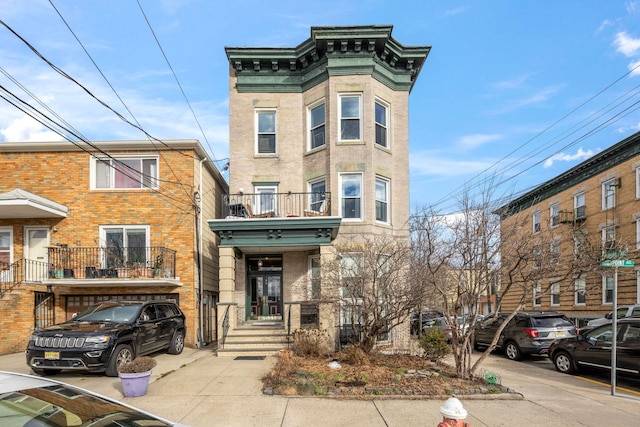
<point x="314" y="277"/>
<point x="537" y="256"/>
<point x="266" y="136"/>
<point x="351" y="195"/>
<point x="536" y="222"/>
<point x="555" y="293"/>
<point x="579" y="243"/>
<point x="579" y="206"/>
<point x="609" y="194"/>
<point x="554" y="251"/>
<point x="537" y="295"/>
<point x="6" y="242"/>
<point x="382" y="131"/>
<point x="608" y="239"/>
<point x="351" y="275"/>
<point x="350" y="117"/>
<point x="580" y="292"/>
<point x="316" y="126"/>
<point x="554" y="215"/>
<point x="607" y="290"/>
<point x="317" y="195"/>
<point x="125" y="172"/>
<point x="638" y="183"/>
<point x="126" y="245"/>
<point x="266" y="202"/>
<point x="638" y="233"/>
<point x="382" y="200"/>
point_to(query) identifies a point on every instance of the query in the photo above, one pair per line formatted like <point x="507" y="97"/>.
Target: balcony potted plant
<point x="135" y="374"/>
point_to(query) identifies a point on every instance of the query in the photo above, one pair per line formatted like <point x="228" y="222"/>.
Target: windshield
<point x="552" y="322"/>
<point x="58" y="405"/>
<point x="109" y="313"/>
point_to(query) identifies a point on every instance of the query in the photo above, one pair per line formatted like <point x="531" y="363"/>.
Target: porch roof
<point x="19" y="203"/>
<point x="282" y="233"/>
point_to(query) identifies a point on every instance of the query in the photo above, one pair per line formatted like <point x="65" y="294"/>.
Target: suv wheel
<point x="122" y="353"/>
<point x="177" y="343"/>
<point x="563" y="362"/>
<point x="512" y="351"/>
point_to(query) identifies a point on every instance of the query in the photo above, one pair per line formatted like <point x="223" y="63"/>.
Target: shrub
<point x="310" y="342"/>
<point x="137" y="365"/>
<point x="354" y="355"/>
<point x="435" y="346"/>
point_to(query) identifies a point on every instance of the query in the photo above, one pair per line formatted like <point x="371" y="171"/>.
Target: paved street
<point x="199" y="389"/>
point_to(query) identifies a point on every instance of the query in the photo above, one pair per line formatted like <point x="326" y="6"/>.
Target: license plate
<point x="52" y="355"/>
<point x="559" y="334"/>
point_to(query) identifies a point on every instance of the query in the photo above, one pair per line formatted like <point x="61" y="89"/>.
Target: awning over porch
<point x="19" y="203"/>
<point x="281" y="233"/>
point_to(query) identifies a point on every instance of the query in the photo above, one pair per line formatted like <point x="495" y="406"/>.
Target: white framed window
<point x="382" y="200"/>
<point x="126" y="246"/>
<point x="6" y="246"/>
<point x="266" y="132"/>
<point x="351" y="196"/>
<point x="554" y="251"/>
<point x="554" y="215"/>
<point x="537" y="294"/>
<point x="579" y="206"/>
<point x="607" y="289"/>
<point x="638" y="233"/>
<point x="317" y="196"/>
<point x="580" y="292"/>
<point x="608" y="239"/>
<point x="314" y="277"/>
<point x="124" y="172"/>
<point x="609" y="194"/>
<point x="555" y="293"/>
<point x="638" y="287"/>
<point x="316" y="114"/>
<point x="382" y="120"/>
<point x="579" y="243"/>
<point x="266" y="201"/>
<point x="350" y="111"/>
<point x="351" y="264"/>
<point x="536" y="221"/>
<point x="638" y="182"/>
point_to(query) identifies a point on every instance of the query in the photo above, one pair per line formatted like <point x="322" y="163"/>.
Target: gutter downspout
<point x="200" y="260"/>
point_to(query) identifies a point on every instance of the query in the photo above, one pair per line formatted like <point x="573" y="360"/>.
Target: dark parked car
<point x="107" y="334"/>
<point x="424" y="317"/>
<point x="528" y="333"/>
<point x="593" y="348"/>
<point x="31" y="401"/>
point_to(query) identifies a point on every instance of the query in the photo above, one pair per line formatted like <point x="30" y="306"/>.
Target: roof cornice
<point x="329" y="51"/>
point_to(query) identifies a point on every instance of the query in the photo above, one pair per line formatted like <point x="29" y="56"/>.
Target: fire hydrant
<point x="453" y="413"/>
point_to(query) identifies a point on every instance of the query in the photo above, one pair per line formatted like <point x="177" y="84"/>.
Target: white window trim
<point x="362" y="192"/>
<point x="93" y="171"/>
<point x="257" y="205"/>
<point x="310" y="129"/>
<point x="576" y="206"/>
<point x="577" y="289"/>
<point x="360" y="124"/>
<point x="536" y="218"/>
<point x="387" y="125"/>
<point x="555" y="206"/>
<point x="11" y="244"/>
<point x="387" y="196"/>
<point x="638" y="183"/>
<point x="310" y="190"/>
<point x="310" y="275"/>
<point x="604" y="291"/>
<point x="638" y="233"/>
<point x="554" y="289"/>
<point x="606" y="189"/>
<point x="104" y="228"/>
<point x="256" y="119"/>
<point x="537" y="295"/>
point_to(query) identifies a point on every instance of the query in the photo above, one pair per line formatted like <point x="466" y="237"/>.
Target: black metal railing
<point x="276" y="205"/>
<point x="66" y="262"/>
<point x="225" y="327"/>
<point x="21" y="271"/>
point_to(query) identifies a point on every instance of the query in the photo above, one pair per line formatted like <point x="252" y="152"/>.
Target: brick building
<point x="82" y="223"/>
<point x="596" y="207"/>
<point x="319" y="155"/>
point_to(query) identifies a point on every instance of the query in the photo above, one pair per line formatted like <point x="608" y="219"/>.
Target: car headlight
<point x="100" y="339"/>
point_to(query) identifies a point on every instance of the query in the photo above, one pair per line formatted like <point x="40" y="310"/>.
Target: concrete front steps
<point x="255" y="339"/>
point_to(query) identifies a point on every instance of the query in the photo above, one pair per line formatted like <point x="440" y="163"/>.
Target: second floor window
<point x="579" y="206"/>
<point x="382" y="200"/>
<point x="317" y="196"/>
<point x="266" y="136"/>
<point x="126" y="245"/>
<point x="536" y="222"/>
<point x="351" y="195"/>
<point x="382" y="131"/>
<point x="125" y="172"/>
<point x="316" y="126"/>
<point x="350" y="118"/>
<point x="609" y="194"/>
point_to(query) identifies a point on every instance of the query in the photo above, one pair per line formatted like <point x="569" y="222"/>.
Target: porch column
<point x="227" y="278"/>
<point x="328" y="313"/>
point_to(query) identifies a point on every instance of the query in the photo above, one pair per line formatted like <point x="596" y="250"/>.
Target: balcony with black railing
<point x="276" y="205"/>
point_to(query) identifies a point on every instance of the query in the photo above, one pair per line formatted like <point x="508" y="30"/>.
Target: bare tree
<point x="370" y="285"/>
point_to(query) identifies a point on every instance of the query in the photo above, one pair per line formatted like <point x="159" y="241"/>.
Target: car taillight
<point x="533" y="333"/>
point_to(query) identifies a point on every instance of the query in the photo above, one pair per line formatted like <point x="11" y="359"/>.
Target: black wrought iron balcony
<point x="66" y="262"/>
<point x="275" y="205"/>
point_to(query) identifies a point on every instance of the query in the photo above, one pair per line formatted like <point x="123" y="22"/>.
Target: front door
<point x="35" y="249"/>
<point x="264" y="291"/>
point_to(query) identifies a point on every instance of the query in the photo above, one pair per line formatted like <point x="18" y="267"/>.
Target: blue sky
<point x="512" y="93"/>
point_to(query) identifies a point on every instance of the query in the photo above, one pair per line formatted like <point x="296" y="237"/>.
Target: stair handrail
<point x="21" y="271"/>
<point x="225" y="326"/>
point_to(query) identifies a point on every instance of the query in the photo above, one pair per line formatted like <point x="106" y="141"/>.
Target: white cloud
<point x="563" y="157"/>
<point x="26" y="129"/>
<point x="469" y="142"/>
<point x="627" y="45"/>
<point x="634" y="67"/>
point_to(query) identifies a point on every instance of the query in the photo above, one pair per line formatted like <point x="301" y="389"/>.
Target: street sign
<point x="618" y="263"/>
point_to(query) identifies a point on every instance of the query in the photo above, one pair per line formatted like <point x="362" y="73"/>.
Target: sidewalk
<point x="197" y="388"/>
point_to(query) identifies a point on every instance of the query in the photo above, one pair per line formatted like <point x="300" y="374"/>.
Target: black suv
<point x="529" y="332"/>
<point x="105" y="335"/>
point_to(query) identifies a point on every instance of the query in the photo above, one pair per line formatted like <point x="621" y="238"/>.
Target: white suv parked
<point x="623" y="311"/>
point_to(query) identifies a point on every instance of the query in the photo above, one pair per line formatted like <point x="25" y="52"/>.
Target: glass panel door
<point x="265" y="298"/>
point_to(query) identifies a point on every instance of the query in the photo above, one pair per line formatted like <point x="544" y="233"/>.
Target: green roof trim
<point x="604" y="160"/>
<point x="276" y="232"/>
<point x="330" y="51"/>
